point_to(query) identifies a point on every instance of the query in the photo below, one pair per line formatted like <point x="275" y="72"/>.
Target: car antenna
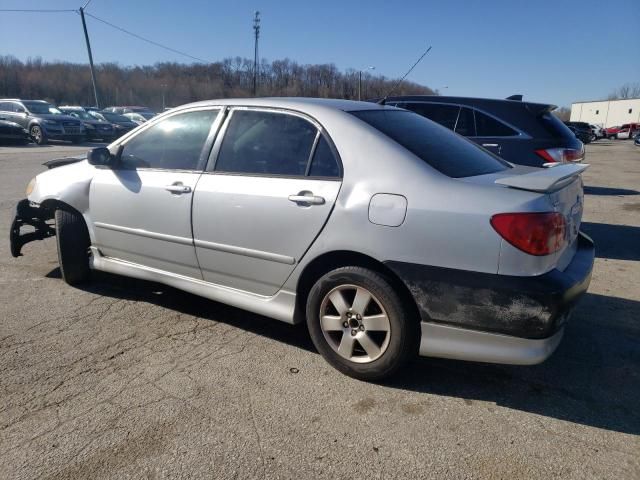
<point x="384" y="99"/>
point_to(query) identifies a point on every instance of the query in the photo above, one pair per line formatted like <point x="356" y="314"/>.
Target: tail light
<point x="533" y="233"/>
<point x="561" y="155"/>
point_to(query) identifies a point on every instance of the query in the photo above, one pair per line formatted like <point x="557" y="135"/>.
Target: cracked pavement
<point x="129" y="379"/>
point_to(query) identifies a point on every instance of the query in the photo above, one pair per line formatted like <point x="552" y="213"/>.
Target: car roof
<point x="304" y="104"/>
<point x="471" y="101"/>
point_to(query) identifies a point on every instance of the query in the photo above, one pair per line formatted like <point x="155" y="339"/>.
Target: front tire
<point x="37" y="134"/>
<point x="360" y="324"/>
<point x="73" y="246"/>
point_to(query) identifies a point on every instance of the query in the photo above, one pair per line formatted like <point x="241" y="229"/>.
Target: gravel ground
<point x="129" y="379"/>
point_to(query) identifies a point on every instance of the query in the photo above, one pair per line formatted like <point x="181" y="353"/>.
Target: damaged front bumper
<point x="29" y="224"/>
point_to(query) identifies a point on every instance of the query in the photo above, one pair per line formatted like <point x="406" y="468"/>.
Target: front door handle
<point x="305" y="198"/>
<point x="178" y="188"/>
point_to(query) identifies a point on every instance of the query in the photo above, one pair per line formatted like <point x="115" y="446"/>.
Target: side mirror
<point x="100" y="156"/>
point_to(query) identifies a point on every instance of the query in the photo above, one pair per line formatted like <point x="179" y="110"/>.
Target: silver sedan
<point x="389" y="235"/>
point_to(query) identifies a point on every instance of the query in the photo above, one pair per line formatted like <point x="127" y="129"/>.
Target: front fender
<point x="69" y="184"/>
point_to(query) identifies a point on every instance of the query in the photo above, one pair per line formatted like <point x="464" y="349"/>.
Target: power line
<point x="35" y="11"/>
<point x="139" y="37"/>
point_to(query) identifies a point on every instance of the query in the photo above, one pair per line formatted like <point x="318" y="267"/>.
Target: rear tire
<point x="73" y="246"/>
<point x="360" y="324"/>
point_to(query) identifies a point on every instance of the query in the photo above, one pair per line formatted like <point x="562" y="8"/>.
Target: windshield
<point x="447" y="152"/>
<point x="147" y="115"/>
<point x="55" y="111"/>
<point x="38" y="107"/>
<point x="114" y="117"/>
<point x="80" y="114"/>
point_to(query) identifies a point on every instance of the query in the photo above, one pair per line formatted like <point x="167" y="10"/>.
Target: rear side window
<point x="267" y="143"/>
<point x="554" y="126"/>
<point x="466" y="125"/>
<point x="439" y="147"/>
<point x="487" y="126"/>
<point x="445" y="115"/>
<point x="175" y="143"/>
<point x="324" y="163"/>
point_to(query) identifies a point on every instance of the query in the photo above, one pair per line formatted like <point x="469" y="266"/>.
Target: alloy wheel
<point x="355" y="324"/>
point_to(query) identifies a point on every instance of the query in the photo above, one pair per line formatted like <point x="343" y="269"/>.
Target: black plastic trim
<point x="527" y="307"/>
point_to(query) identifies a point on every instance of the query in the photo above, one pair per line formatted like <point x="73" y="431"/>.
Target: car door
<point x="495" y="135"/>
<point x="6" y="111"/>
<point x="141" y="208"/>
<point x="271" y="185"/>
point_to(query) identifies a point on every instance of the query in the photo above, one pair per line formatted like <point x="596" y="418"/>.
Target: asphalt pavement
<point x="130" y="379"/>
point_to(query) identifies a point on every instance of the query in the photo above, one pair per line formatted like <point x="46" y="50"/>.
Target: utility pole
<point x="360" y="82"/>
<point x="93" y="73"/>
<point x="256" y="30"/>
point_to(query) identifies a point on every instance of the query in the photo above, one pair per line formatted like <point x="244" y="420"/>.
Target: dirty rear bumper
<point x="527" y="308"/>
<point x="29" y="224"/>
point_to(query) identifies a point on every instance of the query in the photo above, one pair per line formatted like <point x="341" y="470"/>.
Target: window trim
<point x="204" y="152"/>
<point x="210" y="168"/>
<point x="519" y="135"/>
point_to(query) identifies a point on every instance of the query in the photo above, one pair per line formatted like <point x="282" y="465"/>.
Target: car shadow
<point x="593" y="379"/>
<point x="620" y="242"/>
<point x="609" y="191"/>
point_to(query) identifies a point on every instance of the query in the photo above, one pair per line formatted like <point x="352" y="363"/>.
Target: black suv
<point x="43" y="121"/>
<point x="520" y="132"/>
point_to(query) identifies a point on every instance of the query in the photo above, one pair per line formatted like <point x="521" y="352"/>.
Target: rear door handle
<point x="178" y="188"/>
<point x="306" y="198"/>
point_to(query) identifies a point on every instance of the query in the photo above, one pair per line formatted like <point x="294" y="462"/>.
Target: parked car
<point x="628" y="130"/>
<point x="95" y="129"/>
<point x="121" y="124"/>
<point x="586" y="129"/>
<point x="145" y="111"/>
<point x="135" y="118"/>
<point x="583" y="135"/>
<point x="523" y="133"/>
<point x="323" y="211"/>
<point x="612" y="132"/>
<point x="598" y="131"/>
<point x="11" y="132"/>
<point x="42" y="121"/>
<point x="636" y="140"/>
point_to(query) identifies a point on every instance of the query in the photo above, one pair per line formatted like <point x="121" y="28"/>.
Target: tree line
<point x="70" y="83"/>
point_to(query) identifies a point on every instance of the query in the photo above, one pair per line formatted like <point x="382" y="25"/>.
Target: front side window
<point x="439" y="147"/>
<point x="487" y="126"/>
<point x="445" y="115"/>
<point x="266" y="143"/>
<point x="174" y="143"/>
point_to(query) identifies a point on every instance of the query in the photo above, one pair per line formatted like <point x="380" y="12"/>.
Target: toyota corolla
<point x="388" y="234"/>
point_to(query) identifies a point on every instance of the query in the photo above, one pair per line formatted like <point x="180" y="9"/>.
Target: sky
<point x="553" y="51"/>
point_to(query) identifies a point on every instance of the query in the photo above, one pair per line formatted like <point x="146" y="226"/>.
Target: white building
<point x="608" y="113"/>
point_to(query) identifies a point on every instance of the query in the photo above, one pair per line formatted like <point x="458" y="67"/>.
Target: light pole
<point x="163" y="85"/>
<point x="256" y="30"/>
<point x="360" y="81"/>
<point x="86" y="38"/>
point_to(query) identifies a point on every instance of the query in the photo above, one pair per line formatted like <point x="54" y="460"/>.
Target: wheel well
<point x="345" y="258"/>
<point x="51" y="205"/>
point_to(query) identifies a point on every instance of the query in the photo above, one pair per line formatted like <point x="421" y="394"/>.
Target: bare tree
<point x="69" y="83"/>
<point x="628" y="90"/>
<point x="563" y="113"/>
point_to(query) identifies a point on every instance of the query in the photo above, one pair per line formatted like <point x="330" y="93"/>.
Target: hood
<point x="57" y="118"/>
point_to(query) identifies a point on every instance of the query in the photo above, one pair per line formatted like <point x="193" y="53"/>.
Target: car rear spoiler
<point x="545" y="180"/>
<point x="59" y="162"/>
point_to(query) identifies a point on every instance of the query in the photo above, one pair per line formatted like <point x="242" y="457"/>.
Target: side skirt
<point x="445" y="341"/>
<point x="280" y="306"/>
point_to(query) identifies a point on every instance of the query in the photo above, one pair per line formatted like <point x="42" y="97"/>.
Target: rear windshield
<point x="447" y="152"/>
<point x="554" y="126"/>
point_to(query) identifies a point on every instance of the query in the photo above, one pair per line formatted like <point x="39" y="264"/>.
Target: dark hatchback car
<point x="94" y="128"/>
<point x="120" y="123"/>
<point x="524" y="133"/>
